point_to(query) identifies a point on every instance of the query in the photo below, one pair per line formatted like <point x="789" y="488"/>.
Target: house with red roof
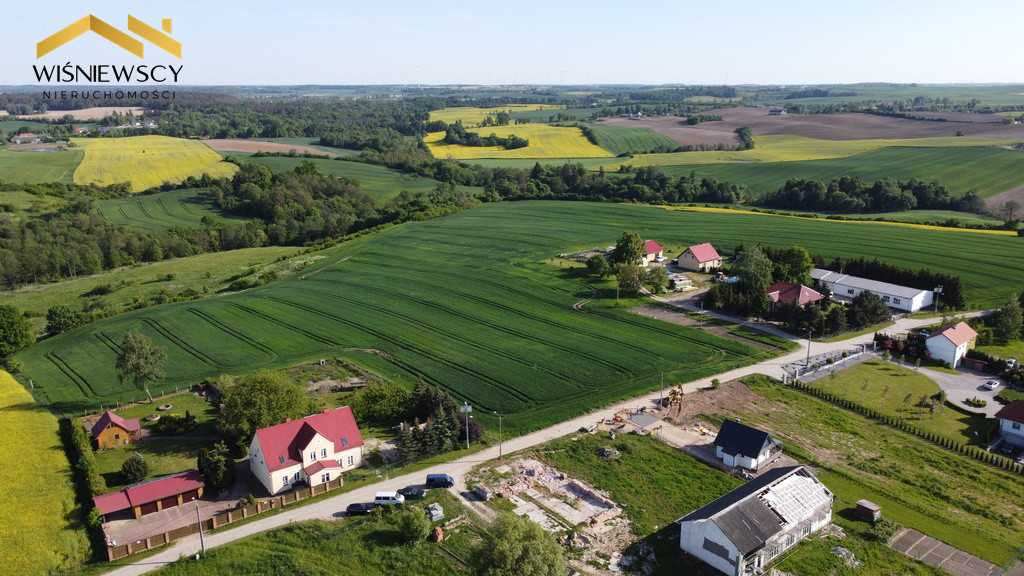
<point x="653" y="252"/>
<point x="312" y="450"/>
<point x="26" y="138"/>
<point x="789" y="292"/>
<point x="1011" y="423"/>
<point x="949" y="344"/>
<point x="151" y="496"/>
<point x="111" y="431"/>
<point x="700" y="258"/>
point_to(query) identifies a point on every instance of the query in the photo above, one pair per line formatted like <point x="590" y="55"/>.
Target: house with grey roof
<point x="844" y="287"/>
<point x="745" y="447"/>
<point x="745" y="530"/>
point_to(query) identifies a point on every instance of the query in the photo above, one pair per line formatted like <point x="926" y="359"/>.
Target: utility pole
<point x="661" y="392"/>
<point x="808" y="363"/>
<point x="202" y="542"/>
<point x="938" y="291"/>
<point x="466" y="409"/>
<point x="500" y="436"/>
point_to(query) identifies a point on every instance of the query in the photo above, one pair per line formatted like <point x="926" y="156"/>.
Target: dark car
<point x="358" y="508"/>
<point x="413" y="492"/>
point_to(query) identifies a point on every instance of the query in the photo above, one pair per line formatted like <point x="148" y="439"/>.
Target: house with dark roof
<point x="653" y="252"/>
<point x="844" y="287"/>
<point x="790" y="292"/>
<point x="111" y="431"/>
<point x="1011" y="423"/>
<point x="700" y="258"/>
<point x="745" y="447"/>
<point x="950" y="343"/>
<point x="151" y="496"/>
<point x="743" y="531"/>
<point x="312" y="450"/>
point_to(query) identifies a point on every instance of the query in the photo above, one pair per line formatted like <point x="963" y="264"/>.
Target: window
<point x="117" y="436"/>
<point x="352" y="459"/>
<point x="312" y="455"/>
<point x="895" y="300"/>
<point x="325" y="477"/>
<point x="297" y="477"/>
<point x="849" y="290"/>
<point x="323" y="452"/>
<point x="284" y="480"/>
<point x="886" y="298"/>
<point x="1016" y="426"/>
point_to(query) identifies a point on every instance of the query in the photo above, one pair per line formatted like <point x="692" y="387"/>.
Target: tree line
<point x="457" y="134"/>
<point x="851" y="195"/>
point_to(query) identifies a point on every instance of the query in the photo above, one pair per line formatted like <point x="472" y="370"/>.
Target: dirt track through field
<point x="223" y="145"/>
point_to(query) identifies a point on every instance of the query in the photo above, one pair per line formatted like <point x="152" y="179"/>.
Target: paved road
<point x="330" y="507"/>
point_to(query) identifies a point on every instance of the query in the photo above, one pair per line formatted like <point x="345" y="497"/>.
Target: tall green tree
<point x="217" y="466"/>
<point x="657" y="279"/>
<point x="517" y="546"/>
<point x="135" y="468"/>
<point x="631" y="278"/>
<point x="15" y="331"/>
<point x="629" y="249"/>
<point x="140" y="361"/>
<point x="755" y="272"/>
<point x="794" y="265"/>
<point x="1009" y="322"/>
<point x="263" y="398"/>
<point x="382" y="403"/>
<point x="597" y="266"/>
<point x="62" y="318"/>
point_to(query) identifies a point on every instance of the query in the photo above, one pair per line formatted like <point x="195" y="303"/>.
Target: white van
<point x="385" y="498"/>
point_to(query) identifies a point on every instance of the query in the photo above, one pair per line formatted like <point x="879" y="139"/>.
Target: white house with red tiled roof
<point x="314" y="450"/>
<point x="951" y="343"/>
<point x="653" y="252"/>
<point x="1011" y="423"/>
<point x="700" y="258"/>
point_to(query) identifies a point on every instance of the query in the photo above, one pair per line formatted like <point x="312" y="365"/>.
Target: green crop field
<point x="12" y="125"/>
<point x="382" y="184"/>
<point x="312" y="143"/>
<point x="26" y="167"/>
<point x="988" y="170"/>
<point x="472" y="303"/>
<point x="626" y="140"/>
<point x="468" y="302"/>
<point x="993" y="95"/>
<point x="36" y="516"/>
<point x="161" y="211"/>
<point x="527" y="163"/>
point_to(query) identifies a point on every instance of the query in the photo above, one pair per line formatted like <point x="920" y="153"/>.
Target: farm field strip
<point x="36" y="516"/>
<point x="785" y="148"/>
<point x="146" y="161"/>
<point x="472" y="116"/>
<point x="989" y="170"/>
<point x="545" y="142"/>
<point x="625" y="140"/>
<point x="27" y="167"/>
<point x="161" y="211"/>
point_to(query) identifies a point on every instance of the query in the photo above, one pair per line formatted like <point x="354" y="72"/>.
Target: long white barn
<point x="844" y="287"/>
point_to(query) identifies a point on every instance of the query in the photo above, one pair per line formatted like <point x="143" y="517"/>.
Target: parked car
<point x="1007" y="448"/>
<point x="991" y="385"/>
<point x="1011" y="363"/>
<point x="439" y="481"/>
<point x="385" y="498"/>
<point x="359" y="508"/>
<point x="413" y="492"/>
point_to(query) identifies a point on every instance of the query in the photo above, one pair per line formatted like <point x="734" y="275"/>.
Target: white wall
<point x="942" y="349"/>
<point x="1014" y="435"/>
<point x="691" y="540"/>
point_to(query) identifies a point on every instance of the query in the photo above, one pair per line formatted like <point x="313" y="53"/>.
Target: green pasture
<point x="382" y="184"/>
<point x="20" y="204"/>
<point x="25" y="167"/>
<point x="627" y="140"/>
<point x="312" y="143"/>
<point x="184" y="208"/>
<point x="918" y="484"/>
<point x="988" y="170"/>
<point x="12" y="125"/>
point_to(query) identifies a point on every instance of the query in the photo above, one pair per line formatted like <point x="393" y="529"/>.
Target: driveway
<point x="960" y="387"/>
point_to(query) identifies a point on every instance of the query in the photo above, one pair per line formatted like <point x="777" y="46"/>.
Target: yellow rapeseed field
<point x="472" y="116"/>
<point x="787" y="148"/>
<point x="146" y="161"/>
<point x="37" y="497"/>
<point x="545" y="142"/>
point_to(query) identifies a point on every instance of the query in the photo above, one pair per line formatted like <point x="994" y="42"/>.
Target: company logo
<point x="116" y="36"/>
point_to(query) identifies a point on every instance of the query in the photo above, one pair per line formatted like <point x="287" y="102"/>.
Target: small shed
<point x="868" y="511"/>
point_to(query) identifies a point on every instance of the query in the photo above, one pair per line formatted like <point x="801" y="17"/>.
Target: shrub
<point x="135" y="468"/>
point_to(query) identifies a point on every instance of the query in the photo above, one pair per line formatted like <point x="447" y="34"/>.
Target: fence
<point x="221" y="520"/>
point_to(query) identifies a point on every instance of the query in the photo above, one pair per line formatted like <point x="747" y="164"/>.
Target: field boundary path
<point x="942" y="555"/>
<point x="333" y="507"/>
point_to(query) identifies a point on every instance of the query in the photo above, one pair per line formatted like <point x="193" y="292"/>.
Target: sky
<point x="542" y="42"/>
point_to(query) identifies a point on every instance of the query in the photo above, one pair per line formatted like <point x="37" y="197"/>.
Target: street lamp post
<point x="938" y="290"/>
<point x="500" y="436"/>
<point x="202" y="542"/>
<point x="808" y="363"/>
<point x="466" y="409"/>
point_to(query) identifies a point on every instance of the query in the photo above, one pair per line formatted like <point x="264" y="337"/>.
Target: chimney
<point x="287" y="419"/>
<point x="326" y="410"/>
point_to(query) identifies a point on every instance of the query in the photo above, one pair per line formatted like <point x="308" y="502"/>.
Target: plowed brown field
<point x="222" y="145"/>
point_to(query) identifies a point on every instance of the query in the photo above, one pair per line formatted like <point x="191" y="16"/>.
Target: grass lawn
<point x="918" y="484"/>
<point x="205" y="413"/>
<point x="886" y="386"/>
<point x="357" y="546"/>
<point x="1008" y="350"/>
<point x="164" y="456"/>
<point x="27" y="167"/>
<point x="40" y="527"/>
